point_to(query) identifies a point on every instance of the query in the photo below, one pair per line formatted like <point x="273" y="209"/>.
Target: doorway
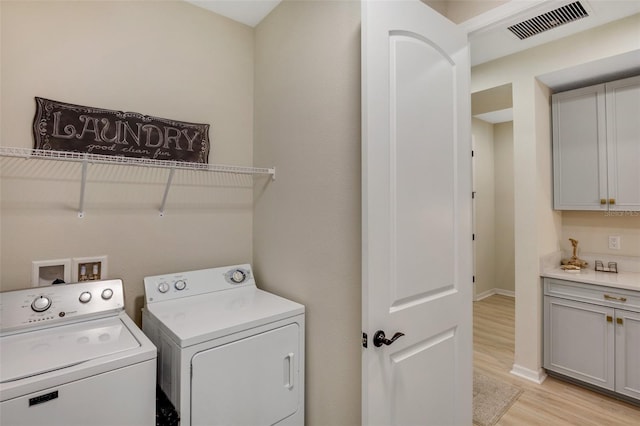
<point x="494" y="243"/>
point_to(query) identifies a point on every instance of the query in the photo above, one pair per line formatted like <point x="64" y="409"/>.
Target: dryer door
<point x="252" y="381"/>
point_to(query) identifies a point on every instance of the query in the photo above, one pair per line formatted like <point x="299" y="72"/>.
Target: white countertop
<point x="623" y="280"/>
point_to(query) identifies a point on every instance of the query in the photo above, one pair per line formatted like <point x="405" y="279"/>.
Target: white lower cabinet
<point x="628" y="353"/>
<point x="592" y="334"/>
<point x="579" y="341"/>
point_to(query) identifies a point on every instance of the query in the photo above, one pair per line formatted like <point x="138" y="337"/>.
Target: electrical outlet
<point x="89" y="268"/>
<point x="47" y="272"/>
<point x="614" y="242"/>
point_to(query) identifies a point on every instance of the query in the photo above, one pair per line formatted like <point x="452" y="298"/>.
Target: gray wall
<point x="307" y="223"/>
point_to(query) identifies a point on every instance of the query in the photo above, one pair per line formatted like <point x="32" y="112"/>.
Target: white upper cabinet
<point x="623" y="143"/>
<point x="596" y="147"/>
<point x="579" y="149"/>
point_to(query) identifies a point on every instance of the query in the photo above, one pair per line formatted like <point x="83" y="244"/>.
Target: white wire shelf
<point x="172" y="166"/>
<point x="129" y="161"/>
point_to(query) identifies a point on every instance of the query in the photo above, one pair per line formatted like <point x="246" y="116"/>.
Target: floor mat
<point x="491" y="399"/>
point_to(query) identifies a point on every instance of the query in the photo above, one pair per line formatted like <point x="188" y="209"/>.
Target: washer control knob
<point x="238" y="276"/>
<point x="163" y="287"/>
<point x="41" y="304"/>
<point x="107" y="293"/>
<point x="180" y="285"/>
<point x="85" y="297"/>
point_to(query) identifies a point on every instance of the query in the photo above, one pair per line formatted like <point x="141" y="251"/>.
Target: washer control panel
<point x="40" y="306"/>
<point x="182" y="284"/>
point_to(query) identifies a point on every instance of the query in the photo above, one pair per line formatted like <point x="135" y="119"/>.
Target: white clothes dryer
<point x="228" y="352"/>
<point x="70" y="355"/>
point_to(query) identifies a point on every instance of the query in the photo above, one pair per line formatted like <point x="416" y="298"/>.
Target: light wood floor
<point x="554" y="402"/>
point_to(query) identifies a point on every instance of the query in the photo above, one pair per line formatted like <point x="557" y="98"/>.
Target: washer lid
<point x="196" y="319"/>
<point x="38" y="352"/>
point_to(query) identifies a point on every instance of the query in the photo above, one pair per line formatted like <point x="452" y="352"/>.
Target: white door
<point x="417" y="253"/>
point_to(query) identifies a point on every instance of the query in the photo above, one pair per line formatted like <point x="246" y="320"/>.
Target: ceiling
<point x="490" y="39"/>
<point x="486" y="22"/>
<point x="248" y="12"/>
<point x="488" y="35"/>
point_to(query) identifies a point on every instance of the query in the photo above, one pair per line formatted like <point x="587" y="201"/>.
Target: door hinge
<point x="474" y="279"/>
<point x="364" y="340"/>
<point x="473" y="195"/>
<point x="473" y="237"/>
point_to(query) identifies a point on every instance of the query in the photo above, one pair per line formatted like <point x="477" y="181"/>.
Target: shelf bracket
<point x="166" y="191"/>
<point x="83" y="185"/>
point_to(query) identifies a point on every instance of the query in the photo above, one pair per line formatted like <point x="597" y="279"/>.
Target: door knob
<point x="380" y="339"/>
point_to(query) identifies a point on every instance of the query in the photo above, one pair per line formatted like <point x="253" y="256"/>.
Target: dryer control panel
<point x="60" y="303"/>
<point x="184" y="284"/>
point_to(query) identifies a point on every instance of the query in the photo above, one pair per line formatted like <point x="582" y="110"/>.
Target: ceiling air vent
<point x="546" y="21"/>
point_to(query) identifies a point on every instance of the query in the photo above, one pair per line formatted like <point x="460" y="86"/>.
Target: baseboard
<point x="492" y="292"/>
<point x="531" y="375"/>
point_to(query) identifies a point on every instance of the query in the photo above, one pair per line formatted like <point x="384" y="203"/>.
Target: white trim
<point x="503" y="292"/>
<point x="531" y="375"/>
<point x="248" y="12"/>
<point x="492" y="18"/>
<point x="495" y="117"/>
<point x="493" y="291"/>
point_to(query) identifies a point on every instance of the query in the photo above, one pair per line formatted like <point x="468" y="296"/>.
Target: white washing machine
<point x="70" y="355"/>
<point x="229" y="353"/>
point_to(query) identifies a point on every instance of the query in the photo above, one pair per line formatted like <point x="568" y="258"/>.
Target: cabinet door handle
<point x="603" y="201"/>
<point x="619" y="321"/>
<point x="609" y="318"/>
<point x="619" y="299"/>
<point x="612" y="201"/>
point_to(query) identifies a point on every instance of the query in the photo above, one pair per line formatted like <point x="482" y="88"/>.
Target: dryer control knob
<point x="238" y="276"/>
<point x="41" y="304"/>
<point x="85" y="297"/>
<point x="107" y="293"/>
<point x="180" y="284"/>
<point x="163" y="287"/>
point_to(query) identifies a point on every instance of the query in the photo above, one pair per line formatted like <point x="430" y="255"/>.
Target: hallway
<point x="554" y="402"/>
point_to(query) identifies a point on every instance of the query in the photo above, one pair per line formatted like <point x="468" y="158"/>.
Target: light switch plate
<point x="614" y="242"/>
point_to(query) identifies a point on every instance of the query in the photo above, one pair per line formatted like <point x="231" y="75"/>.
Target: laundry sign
<point x="61" y="126"/>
